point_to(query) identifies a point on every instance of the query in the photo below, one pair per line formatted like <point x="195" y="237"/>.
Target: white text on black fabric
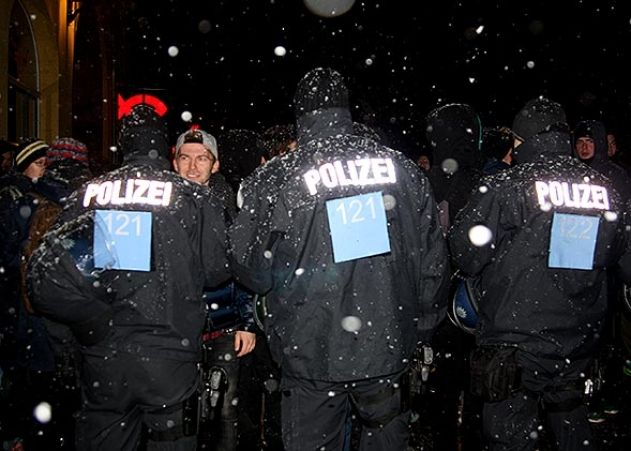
<point x="572" y="195"/>
<point x="361" y="172"/>
<point x="132" y="191"/>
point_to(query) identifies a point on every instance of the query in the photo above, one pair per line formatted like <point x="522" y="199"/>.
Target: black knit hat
<point x="28" y="152"/>
<point x="320" y="88"/>
<point x="539" y="115"/>
<point x="143" y="133"/>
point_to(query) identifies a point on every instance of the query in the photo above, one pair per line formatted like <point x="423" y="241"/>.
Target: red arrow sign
<point x="125" y="106"/>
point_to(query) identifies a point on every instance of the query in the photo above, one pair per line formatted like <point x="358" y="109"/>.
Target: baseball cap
<point x="197" y="136"/>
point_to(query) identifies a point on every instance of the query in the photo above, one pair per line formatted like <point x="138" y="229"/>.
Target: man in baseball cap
<point x="196" y="157"/>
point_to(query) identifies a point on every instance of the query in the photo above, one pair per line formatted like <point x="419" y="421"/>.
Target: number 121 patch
<point x="358" y="226"/>
<point x="122" y="240"/>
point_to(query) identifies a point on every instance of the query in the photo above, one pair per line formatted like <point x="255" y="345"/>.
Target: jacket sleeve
<point x="624" y="263"/>
<point x="213" y="243"/>
<point x="434" y="272"/>
<point x="252" y="240"/>
<point x="60" y="292"/>
<point x="475" y="233"/>
<point x="245" y="302"/>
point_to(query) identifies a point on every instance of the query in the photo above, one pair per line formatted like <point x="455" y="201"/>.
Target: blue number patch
<point x="573" y="241"/>
<point x="122" y="240"/>
<point x="358" y="226"/>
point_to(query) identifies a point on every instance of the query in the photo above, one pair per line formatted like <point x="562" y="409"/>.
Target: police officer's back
<point x="125" y="268"/>
<point x="346" y="238"/>
<point x="540" y="237"/>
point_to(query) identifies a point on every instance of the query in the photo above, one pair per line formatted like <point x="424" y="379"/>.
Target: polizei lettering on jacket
<point x="573" y="195"/>
<point x="361" y="172"/>
<point x="132" y="191"/>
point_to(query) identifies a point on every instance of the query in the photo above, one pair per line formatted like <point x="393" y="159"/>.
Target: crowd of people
<point x="296" y="289"/>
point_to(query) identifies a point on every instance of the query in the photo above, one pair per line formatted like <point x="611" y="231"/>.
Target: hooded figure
<point x="124" y="267"/>
<point x="590" y="145"/>
<point x="342" y="235"/>
<point x="454" y="133"/>
<point x="540" y="238"/>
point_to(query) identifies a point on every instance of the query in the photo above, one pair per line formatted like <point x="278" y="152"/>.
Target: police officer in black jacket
<point x="540" y="237"/>
<point x="124" y="268"/>
<point x="343" y="235"/>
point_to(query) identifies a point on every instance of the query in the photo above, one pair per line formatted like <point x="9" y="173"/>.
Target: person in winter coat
<point x="125" y="267"/>
<point x="454" y="133"/>
<point x="67" y="170"/>
<point x="229" y="334"/>
<point x="540" y="237"/>
<point x="26" y="357"/>
<point x="18" y="201"/>
<point x="343" y="236"/>
<point x="591" y="147"/>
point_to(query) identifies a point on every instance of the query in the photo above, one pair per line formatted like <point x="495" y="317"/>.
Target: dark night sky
<point x="400" y="58"/>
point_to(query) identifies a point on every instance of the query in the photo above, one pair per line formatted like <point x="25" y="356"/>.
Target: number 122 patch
<point x="358" y="226"/>
<point x="573" y="241"/>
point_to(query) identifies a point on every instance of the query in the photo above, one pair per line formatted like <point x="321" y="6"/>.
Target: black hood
<point x="323" y="123"/>
<point x="542" y="128"/>
<point x="543" y="145"/>
<point x="143" y="136"/>
<point x="322" y="106"/>
<point x="454" y="131"/>
<point x="597" y="131"/>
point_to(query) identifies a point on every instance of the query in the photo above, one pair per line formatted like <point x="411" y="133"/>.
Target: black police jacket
<point x="541" y="237"/>
<point x="329" y="318"/>
<point x="156" y="310"/>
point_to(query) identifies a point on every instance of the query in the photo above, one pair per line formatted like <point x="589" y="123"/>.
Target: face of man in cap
<point x="195" y="163"/>
<point x="585" y="147"/>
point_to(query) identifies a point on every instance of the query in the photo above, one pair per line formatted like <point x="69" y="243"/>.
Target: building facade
<point x="57" y="73"/>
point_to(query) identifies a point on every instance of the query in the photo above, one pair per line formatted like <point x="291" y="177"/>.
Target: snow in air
<point x="351" y="323"/>
<point x="480" y="235"/>
<point x="329" y="8"/>
<point x="449" y="166"/>
<point x="43" y="412"/>
<point x="186" y="116"/>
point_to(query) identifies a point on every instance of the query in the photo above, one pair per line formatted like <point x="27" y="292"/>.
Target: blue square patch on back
<point x="358" y="226"/>
<point x="122" y="240"/>
<point x="573" y="241"/>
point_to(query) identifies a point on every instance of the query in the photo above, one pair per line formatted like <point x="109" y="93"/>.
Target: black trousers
<point x="551" y="387"/>
<point x="123" y="394"/>
<point x="314" y="413"/>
